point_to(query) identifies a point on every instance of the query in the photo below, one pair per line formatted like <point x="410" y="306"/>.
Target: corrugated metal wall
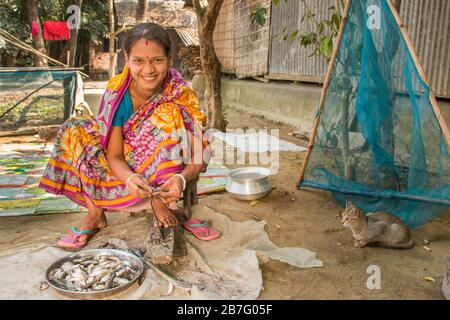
<point x="428" y="25"/>
<point x="251" y="40"/>
<point x="290" y="61"/>
<point x="427" y="22"/>
<point x="224" y="36"/>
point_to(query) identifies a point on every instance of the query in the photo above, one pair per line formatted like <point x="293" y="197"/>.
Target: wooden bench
<point x="165" y="243"/>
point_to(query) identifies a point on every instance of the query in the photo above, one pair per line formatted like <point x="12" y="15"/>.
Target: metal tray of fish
<point x="95" y="273"/>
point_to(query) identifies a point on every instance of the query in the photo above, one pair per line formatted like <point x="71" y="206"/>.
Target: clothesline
<point x="18" y="43"/>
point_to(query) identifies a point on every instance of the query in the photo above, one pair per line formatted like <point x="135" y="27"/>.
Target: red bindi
<point x="146" y="42"/>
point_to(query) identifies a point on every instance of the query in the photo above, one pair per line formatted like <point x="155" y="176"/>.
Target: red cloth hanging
<point x="54" y="30"/>
<point x="34" y="29"/>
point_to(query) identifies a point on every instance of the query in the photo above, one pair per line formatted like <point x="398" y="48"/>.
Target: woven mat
<point x="21" y="168"/>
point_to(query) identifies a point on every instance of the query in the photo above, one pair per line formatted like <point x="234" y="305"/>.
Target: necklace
<point x="138" y="101"/>
<point x="135" y="94"/>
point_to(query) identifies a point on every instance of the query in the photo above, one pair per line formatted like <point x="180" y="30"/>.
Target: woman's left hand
<point x="171" y="190"/>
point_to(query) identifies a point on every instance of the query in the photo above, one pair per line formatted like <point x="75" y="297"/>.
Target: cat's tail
<point x="407" y="245"/>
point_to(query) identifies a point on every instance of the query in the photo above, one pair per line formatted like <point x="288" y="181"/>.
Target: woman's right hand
<point x="138" y="187"/>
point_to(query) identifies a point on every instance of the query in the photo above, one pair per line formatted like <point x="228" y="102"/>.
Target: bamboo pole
<point x="112" y="56"/>
<point x="36" y="69"/>
<point x="415" y="57"/>
<point x="18" y="43"/>
<point x="324" y="92"/>
<point x="345" y="136"/>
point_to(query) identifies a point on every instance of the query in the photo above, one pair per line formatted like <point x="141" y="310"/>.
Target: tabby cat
<point x="379" y="228"/>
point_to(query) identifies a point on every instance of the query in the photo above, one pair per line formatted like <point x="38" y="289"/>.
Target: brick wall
<point x="98" y="62"/>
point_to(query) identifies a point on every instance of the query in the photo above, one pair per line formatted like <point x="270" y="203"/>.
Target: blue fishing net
<point x="379" y="143"/>
<point x="32" y="96"/>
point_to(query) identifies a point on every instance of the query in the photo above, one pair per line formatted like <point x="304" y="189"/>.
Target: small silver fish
<point x="93" y="273"/>
<point x="109" y="281"/>
<point x="98" y="287"/>
<point x="43" y="285"/>
<point x="121" y="281"/>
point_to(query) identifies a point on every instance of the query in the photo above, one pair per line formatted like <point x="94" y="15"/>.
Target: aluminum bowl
<point x="123" y="255"/>
<point x="248" y="183"/>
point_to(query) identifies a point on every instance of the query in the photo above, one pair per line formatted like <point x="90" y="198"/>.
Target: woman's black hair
<point x="148" y="31"/>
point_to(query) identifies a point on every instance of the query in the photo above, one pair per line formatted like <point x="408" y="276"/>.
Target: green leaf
<point x="326" y="46"/>
<point x="259" y="16"/>
<point x="336" y="20"/>
<point x="321" y="27"/>
<point x="294" y="34"/>
<point x="307" y="39"/>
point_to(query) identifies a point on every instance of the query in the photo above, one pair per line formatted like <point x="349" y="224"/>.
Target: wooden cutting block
<point x="160" y="242"/>
<point x="179" y="249"/>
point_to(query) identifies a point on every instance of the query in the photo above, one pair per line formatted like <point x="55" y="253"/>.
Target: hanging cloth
<point x="34" y="29"/>
<point x="54" y="30"/>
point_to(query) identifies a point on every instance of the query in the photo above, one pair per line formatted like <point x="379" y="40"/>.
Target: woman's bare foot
<point x="94" y="220"/>
<point x="163" y="214"/>
<point x="101" y="220"/>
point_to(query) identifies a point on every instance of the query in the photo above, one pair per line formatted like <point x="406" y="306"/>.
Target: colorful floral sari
<point x="152" y="144"/>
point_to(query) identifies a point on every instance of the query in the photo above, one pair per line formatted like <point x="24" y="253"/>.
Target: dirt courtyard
<point x="297" y="218"/>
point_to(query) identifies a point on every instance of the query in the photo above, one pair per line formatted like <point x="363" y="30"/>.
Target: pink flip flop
<point x="70" y="242"/>
<point x="201" y="230"/>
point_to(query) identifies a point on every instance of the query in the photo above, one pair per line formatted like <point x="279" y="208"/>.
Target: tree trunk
<point x="38" y="41"/>
<point x="73" y="40"/>
<point x="207" y="17"/>
<point x="63" y="54"/>
<point x="212" y="71"/>
<point x="112" y="55"/>
<point x="141" y="11"/>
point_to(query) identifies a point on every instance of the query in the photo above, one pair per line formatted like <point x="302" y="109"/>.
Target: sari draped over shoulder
<point x="152" y="138"/>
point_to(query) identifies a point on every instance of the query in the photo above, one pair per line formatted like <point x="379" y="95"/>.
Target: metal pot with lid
<point x="249" y="183"/>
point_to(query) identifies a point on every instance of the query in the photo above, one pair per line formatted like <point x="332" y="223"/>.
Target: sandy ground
<point x="298" y="218"/>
